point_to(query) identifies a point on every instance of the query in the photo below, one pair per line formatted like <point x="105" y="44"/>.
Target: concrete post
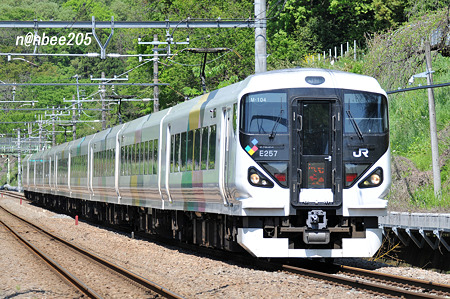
<point x="260" y="37"/>
<point x="433" y="127"/>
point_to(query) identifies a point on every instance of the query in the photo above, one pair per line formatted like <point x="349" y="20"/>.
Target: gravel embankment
<point x="185" y="273"/>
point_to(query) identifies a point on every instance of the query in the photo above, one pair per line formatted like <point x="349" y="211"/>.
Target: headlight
<point x="374" y="179"/>
<point x="256" y="178"/>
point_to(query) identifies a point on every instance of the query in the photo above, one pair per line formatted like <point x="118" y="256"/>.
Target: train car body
<point x="290" y="163"/>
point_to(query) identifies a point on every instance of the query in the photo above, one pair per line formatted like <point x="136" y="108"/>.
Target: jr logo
<point x="361" y="151"/>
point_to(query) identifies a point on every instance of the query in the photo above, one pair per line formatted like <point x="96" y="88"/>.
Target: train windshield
<point x="264" y="113"/>
<point x="365" y="113"/>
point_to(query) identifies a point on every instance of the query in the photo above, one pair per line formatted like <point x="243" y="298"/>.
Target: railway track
<point x="13" y="194"/>
<point x="375" y="282"/>
<point x="81" y="267"/>
<point x="362" y="279"/>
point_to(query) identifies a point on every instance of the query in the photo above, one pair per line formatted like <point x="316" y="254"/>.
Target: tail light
<point x="278" y="171"/>
<point x="350" y="177"/>
<point x="353" y="172"/>
<point x="281" y="177"/>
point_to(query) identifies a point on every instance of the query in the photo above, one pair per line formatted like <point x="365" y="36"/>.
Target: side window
<point x="122" y="160"/>
<point x="150" y="157"/>
<point x="111" y="162"/>
<point x="183" y="151"/>
<point x="129" y="159"/>
<point x="141" y="158"/>
<point x="96" y="164"/>
<point x="113" y="166"/>
<point x="155" y="157"/>
<point x="204" y="143"/>
<point x="107" y="161"/>
<point x="145" y="157"/>
<point x="197" y="149"/>
<point x="190" y="151"/>
<point x="104" y="161"/>
<point x="176" y="153"/>
<point x="172" y="153"/>
<point x="212" y="147"/>
<point x="134" y="158"/>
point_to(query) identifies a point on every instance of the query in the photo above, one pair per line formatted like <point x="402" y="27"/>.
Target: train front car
<point x="315" y="149"/>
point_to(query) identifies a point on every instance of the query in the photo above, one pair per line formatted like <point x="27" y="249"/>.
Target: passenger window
<point x="204" y="142"/>
<point x="172" y="153"/>
<point x="100" y="168"/>
<point x="212" y="147"/>
<point x="141" y="158"/>
<point x="127" y="160"/>
<point x="150" y="157"/>
<point x="105" y="162"/>
<point x="183" y="150"/>
<point x="111" y="163"/>
<point x="144" y="157"/>
<point x="136" y="159"/>
<point x="122" y="160"/>
<point x="155" y="157"/>
<point x="197" y="149"/>
<point x="134" y="151"/>
<point x="177" y="153"/>
<point x="108" y="162"/>
<point x="190" y="151"/>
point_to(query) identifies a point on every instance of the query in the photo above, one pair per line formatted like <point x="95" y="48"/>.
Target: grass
<point x="424" y="198"/>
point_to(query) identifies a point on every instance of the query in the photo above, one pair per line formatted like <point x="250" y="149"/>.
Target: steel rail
<point x="63" y="272"/>
<point x="358" y="283"/>
<point x="116" y="268"/>
<point x="427" y="285"/>
<point x="13" y="194"/>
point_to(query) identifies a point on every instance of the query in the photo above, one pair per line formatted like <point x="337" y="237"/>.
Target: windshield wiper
<point x="273" y="133"/>
<point x="355" y="125"/>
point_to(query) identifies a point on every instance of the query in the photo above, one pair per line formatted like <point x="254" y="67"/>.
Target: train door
<point x="224" y="171"/>
<point x="316" y="154"/>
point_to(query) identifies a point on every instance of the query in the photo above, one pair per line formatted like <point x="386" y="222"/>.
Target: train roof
<point x="271" y="80"/>
<point x="296" y="78"/>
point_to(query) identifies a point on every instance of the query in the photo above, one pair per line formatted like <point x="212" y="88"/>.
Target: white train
<point x="289" y="163"/>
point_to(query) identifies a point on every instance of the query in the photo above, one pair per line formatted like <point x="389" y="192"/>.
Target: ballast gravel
<point x="185" y="273"/>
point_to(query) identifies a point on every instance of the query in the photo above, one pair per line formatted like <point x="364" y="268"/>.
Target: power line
<point x="83" y="84"/>
<point x="187" y="23"/>
<point x="418" y="87"/>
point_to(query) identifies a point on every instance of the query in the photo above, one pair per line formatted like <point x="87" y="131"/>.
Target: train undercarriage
<point x="214" y="230"/>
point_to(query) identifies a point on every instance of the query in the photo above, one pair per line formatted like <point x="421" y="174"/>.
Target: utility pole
<point x="8" y="175"/>
<point x="40" y="132"/>
<point x="433" y="127"/>
<point x="19" y="165"/>
<point x="103" y="95"/>
<point x="74" y="119"/>
<point x="155" y="78"/>
<point x="53" y="127"/>
<point x="260" y="37"/>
